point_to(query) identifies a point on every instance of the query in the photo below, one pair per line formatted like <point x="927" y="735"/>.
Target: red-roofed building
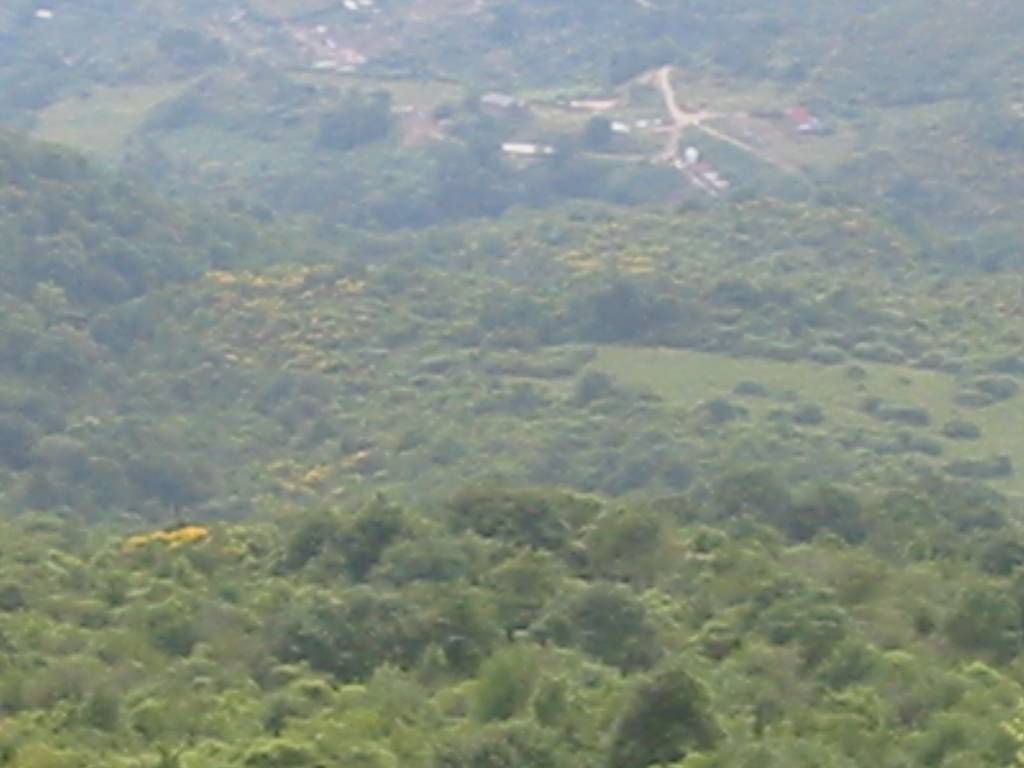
<point x="805" y="121"/>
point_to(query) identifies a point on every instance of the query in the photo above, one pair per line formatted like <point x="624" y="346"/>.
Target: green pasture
<point x="100" y="121"/>
<point x="688" y="378"/>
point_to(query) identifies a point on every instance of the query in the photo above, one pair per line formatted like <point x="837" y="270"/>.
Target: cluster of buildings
<point x="701" y="173"/>
<point x="328" y="52"/>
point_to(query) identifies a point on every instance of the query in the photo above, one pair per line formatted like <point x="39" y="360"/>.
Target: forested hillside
<point x="484" y="384"/>
<point x="160" y="361"/>
<point x="86" y="260"/>
<point x="527" y="628"/>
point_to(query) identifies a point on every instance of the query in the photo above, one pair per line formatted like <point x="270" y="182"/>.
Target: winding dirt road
<point x="681" y="120"/>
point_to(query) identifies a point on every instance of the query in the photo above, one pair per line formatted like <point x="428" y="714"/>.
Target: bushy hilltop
<point x="951" y="51"/>
<point x="84" y="257"/>
<point x="529" y="628"/>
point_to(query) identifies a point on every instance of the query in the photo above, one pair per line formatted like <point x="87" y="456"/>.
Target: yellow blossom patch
<point x="222" y="278"/>
<point x="349" y="286"/>
<point x="317" y="475"/>
<point x="355" y="460"/>
<point x="186" y="534"/>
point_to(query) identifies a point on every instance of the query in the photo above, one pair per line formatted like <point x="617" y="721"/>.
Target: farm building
<point x="804" y="121"/>
<point x="502" y="103"/>
<point x="593" y="105"/>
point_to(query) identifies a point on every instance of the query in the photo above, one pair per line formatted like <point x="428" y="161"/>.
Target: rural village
<point x="658" y="118"/>
<point x="673" y="133"/>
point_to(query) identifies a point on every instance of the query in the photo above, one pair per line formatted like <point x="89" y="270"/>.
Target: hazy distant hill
<point x="924" y="100"/>
<point x="898" y="52"/>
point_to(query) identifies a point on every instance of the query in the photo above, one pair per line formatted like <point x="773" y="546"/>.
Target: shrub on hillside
<point x="985" y="619"/>
<point x="535" y="518"/>
<point x="668" y="716"/>
<point x="961" y="429"/>
<point x="361" y="118"/>
<point x="607" y="621"/>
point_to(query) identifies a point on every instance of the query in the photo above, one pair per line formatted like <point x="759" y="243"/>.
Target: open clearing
<point x="101" y="121"/>
<point x="686" y="378"/>
<point x="421" y="94"/>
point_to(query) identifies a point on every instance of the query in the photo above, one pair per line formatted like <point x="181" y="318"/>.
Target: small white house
<point x="527" y="149"/>
<point x="44" y="14"/>
<point x="593" y="105"/>
<point x="502" y="102"/>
